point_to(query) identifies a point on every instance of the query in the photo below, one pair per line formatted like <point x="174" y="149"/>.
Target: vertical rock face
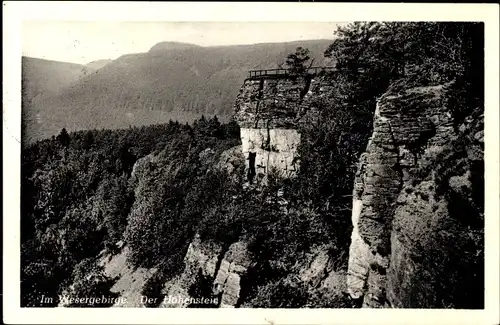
<point x="271" y="149"/>
<point x="269" y="112"/>
<point x="320" y="272"/>
<point x="417" y="170"/>
<point x="233" y="266"/>
<point x="358" y="251"/>
<point x="271" y="103"/>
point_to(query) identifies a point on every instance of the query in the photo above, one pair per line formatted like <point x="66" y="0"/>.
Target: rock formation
<point x="269" y="111"/>
<point x="222" y="268"/>
<point x="201" y="257"/>
<point x="227" y="282"/>
<point x="410" y="246"/>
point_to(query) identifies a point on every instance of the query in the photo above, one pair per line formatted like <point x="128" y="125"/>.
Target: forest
<point x="81" y="194"/>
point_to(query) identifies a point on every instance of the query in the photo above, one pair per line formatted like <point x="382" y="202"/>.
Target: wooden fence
<point x="284" y="72"/>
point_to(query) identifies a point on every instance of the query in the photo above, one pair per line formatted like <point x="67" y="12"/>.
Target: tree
<point x="63" y="137"/>
<point x="90" y="280"/>
<point x="279" y="294"/>
<point x="296" y="62"/>
<point x="88" y="140"/>
<point x="232" y="130"/>
<point x="214" y="127"/>
<point x="433" y="52"/>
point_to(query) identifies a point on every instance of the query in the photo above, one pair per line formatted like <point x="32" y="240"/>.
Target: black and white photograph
<point x="252" y="165"/>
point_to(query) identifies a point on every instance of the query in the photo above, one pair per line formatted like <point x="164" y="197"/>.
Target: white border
<point x="15" y="12"/>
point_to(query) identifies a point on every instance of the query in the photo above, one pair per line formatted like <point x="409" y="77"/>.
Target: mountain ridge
<point x="98" y="64"/>
<point x="179" y="82"/>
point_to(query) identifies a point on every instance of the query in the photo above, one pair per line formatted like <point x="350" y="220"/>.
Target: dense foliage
<point x="372" y="57"/>
<point x="80" y="196"/>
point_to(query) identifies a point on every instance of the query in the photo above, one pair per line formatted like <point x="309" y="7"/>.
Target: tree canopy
<point x="297" y="62"/>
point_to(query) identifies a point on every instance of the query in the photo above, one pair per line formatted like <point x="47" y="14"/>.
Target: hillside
<point x="97" y="64"/>
<point x="172" y="81"/>
<point x="42" y="79"/>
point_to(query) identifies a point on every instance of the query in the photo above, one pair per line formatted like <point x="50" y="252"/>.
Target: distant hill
<point x="97" y="64"/>
<point x="168" y="46"/>
<point x="42" y="79"/>
<point x="173" y="80"/>
<point x="41" y="76"/>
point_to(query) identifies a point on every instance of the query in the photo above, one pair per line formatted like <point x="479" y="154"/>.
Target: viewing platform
<point x="270" y="73"/>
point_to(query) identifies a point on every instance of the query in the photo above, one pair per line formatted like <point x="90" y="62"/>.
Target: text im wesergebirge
<point x="116" y="301"/>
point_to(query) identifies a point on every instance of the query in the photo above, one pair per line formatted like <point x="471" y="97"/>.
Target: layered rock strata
<point x="269" y="112"/>
<point x="404" y="228"/>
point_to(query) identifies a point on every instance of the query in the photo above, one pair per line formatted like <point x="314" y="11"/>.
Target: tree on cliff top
<point x="296" y="62"/>
<point x="435" y="52"/>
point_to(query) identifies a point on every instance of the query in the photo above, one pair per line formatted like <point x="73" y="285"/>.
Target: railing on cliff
<point x="285" y="72"/>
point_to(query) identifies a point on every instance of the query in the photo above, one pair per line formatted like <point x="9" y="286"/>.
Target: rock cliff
<point x="268" y="149"/>
<point x="221" y="268"/>
<point x="270" y="112"/>
<point x="417" y="209"/>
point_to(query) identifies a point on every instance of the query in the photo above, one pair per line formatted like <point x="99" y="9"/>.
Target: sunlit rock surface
<point x="268" y="149"/>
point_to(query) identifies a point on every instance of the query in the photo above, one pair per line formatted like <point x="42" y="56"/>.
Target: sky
<point x="84" y="42"/>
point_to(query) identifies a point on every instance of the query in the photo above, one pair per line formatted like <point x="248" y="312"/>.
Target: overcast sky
<point x="83" y="42"/>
